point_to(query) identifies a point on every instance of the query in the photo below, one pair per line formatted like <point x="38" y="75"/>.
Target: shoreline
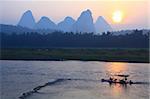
<point x="124" y="61"/>
<point x="104" y="55"/>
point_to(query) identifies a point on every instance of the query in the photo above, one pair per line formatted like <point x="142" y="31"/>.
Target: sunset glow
<point x="124" y="12"/>
<point x="117" y="16"/>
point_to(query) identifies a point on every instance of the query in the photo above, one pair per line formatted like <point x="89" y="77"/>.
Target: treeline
<point x="59" y="39"/>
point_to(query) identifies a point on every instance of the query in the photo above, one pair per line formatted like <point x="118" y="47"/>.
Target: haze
<point x="136" y="12"/>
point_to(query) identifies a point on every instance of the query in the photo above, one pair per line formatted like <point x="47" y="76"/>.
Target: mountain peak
<point x="100" y="17"/>
<point x="101" y="25"/>
<point x="29" y="12"/>
<point x="87" y="12"/>
<point x="45" y="23"/>
<point x="69" y="19"/>
<point x="101" y="20"/>
<point x="27" y="20"/>
<point x="66" y="24"/>
<point x="84" y="23"/>
<point x="44" y="18"/>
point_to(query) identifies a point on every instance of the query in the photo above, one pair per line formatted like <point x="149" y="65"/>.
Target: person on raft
<point x="112" y="79"/>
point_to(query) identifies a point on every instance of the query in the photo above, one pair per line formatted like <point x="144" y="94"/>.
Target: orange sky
<point x="136" y="12"/>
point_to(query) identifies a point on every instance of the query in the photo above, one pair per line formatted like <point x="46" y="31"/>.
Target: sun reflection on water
<point x="116" y="68"/>
<point x="118" y="90"/>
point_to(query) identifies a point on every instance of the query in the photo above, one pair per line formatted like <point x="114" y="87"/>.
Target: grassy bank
<point x="121" y="55"/>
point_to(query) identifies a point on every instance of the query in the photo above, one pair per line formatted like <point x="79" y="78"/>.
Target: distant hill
<point x="45" y="23"/>
<point x="124" y="32"/>
<point x="101" y="25"/>
<point x="27" y="20"/>
<point x="84" y="23"/>
<point x="66" y="24"/>
<point x="14" y="29"/>
<point x="9" y="29"/>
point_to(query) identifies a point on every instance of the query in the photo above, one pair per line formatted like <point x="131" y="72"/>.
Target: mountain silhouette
<point x="45" y="23"/>
<point x="27" y="20"/>
<point x="84" y="23"/>
<point x="66" y="24"/>
<point x="101" y="25"/>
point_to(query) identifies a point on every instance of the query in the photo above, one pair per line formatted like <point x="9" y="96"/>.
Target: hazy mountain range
<point x="84" y="23"/>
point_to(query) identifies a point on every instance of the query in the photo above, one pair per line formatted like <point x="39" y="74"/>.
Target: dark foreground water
<point x="73" y="80"/>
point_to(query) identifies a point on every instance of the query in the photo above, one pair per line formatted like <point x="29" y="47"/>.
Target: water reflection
<point x="119" y="89"/>
<point x="116" y="68"/>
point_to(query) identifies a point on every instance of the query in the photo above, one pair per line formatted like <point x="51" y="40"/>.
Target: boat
<point x="123" y="75"/>
<point x="122" y="81"/>
<point x="117" y="82"/>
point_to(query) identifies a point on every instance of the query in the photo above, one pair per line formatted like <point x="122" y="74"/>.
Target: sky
<point x="135" y="13"/>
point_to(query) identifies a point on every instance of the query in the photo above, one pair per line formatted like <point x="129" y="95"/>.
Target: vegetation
<point x="130" y="47"/>
<point x="90" y="54"/>
<point x="77" y="40"/>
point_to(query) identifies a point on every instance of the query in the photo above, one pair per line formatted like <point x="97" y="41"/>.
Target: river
<point x="79" y="79"/>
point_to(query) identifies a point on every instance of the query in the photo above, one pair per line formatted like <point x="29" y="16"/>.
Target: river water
<point x="79" y="79"/>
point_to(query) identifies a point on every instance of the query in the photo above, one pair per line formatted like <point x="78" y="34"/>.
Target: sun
<point x="117" y="16"/>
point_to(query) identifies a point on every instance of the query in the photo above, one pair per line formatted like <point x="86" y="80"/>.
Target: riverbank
<point x="82" y="54"/>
